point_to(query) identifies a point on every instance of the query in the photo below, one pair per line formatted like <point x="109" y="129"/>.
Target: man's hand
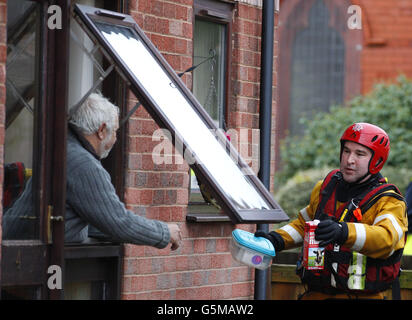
<point x="175" y="235"/>
<point x="273" y="237"/>
<point x="329" y="231"/>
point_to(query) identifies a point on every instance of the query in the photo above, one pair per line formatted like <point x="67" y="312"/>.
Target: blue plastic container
<point x="253" y="251"/>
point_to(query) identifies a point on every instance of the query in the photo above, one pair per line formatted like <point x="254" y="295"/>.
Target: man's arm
<point x="92" y="196"/>
<point x="379" y="235"/>
<point x="293" y="232"/>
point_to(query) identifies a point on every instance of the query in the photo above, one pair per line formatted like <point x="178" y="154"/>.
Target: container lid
<point x="249" y="240"/>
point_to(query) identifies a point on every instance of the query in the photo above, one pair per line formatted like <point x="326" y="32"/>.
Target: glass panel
<point x="188" y="125"/>
<point x="21" y="293"/>
<point x="20" y="220"/>
<point x="86" y="62"/>
<point x="86" y="290"/>
<point x="317" y="68"/>
<point x="209" y="77"/>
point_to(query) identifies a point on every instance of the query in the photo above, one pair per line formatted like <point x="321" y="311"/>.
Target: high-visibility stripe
<point x="332" y="277"/>
<point x="360" y="237"/>
<point x="394" y="222"/>
<point x="297" y="238"/>
<point x="336" y="248"/>
<point x="357" y="272"/>
<point x="304" y="214"/>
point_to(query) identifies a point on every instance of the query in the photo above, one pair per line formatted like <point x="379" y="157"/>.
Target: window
<point x="22" y="104"/>
<point x="171" y="104"/>
<point x="209" y="77"/>
<point x="35" y="137"/>
<point x="40" y="88"/>
<point x="100" y="261"/>
<point x="318" y="57"/>
<point x="211" y="47"/>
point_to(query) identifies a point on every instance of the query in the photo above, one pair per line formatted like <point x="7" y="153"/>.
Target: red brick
<point x="156" y="8"/>
<point x="165" y="213"/>
<point x="199" y="262"/>
<point x="182" y="263"/>
<point x="182" y="46"/>
<point x="169" y="264"/>
<point x="148" y="282"/>
<point x="133" y="250"/>
<point x="3" y="53"/>
<point x="169" y="10"/>
<point x="242" y="289"/>
<point x="3" y="13"/>
<point x="178" y="214"/>
<point x="138" y="196"/>
<point x="221" y="260"/>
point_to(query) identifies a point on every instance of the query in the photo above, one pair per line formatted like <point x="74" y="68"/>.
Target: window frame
<point x="219" y="13"/>
<point x="102" y="260"/>
<point x="49" y="164"/>
<point x="88" y="15"/>
<point x="24" y="263"/>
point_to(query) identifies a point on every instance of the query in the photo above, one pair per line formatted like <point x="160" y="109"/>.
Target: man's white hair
<point x="94" y="111"/>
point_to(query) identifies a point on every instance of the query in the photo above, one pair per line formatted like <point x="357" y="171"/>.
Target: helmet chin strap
<point x="361" y="178"/>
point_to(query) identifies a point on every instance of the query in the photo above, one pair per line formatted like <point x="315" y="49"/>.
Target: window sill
<point x="207" y="217"/>
<point x="200" y="211"/>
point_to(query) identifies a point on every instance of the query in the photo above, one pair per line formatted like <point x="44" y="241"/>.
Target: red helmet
<point x="371" y="137"/>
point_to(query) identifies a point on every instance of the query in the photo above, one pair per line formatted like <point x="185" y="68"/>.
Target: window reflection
<point x="209" y="77"/>
<point x="22" y="65"/>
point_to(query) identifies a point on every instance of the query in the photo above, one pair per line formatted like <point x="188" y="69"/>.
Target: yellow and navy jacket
<point x="376" y="240"/>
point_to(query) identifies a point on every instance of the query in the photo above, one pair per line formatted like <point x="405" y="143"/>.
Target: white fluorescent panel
<point x="234" y="184"/>
<point x="198" y="137"/>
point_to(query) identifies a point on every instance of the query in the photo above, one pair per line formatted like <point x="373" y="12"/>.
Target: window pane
<point x="86" y="63"/>
<point x="21" y="293"/>
<point x="209" y="77"/>
<point x="318" y="56"/>
<point x="20" y="220"/>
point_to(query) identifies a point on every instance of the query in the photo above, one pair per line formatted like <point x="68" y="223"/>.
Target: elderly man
<point x="90" y="196"/>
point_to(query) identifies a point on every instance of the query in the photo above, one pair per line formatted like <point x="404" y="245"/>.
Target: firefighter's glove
<point x="329" y="231"/>
<point x="273" y="237"/>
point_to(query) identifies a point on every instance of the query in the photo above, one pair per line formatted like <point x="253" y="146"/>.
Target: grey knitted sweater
<point x="91" y="199"/>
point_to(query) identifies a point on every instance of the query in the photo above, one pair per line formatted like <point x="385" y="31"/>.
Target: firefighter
<point x="363" y="223"/>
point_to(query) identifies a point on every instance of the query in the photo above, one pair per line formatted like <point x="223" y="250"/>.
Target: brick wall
<point x="387" y="40"/>
<point x="387" y="52"/>
<point x="202" y="268"/>
<point x="3" y="57"/>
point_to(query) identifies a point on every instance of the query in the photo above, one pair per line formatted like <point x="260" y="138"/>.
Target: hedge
<point x="389" y="106"/>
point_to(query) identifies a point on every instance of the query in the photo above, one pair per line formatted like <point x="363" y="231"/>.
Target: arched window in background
<point x="319" y="62"/>
<point x="317" y="68"/>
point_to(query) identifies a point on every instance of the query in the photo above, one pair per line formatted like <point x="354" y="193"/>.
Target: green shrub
<point x="400" y="177"/>
<point x="389" y="106"/>
<point x="294" y="195"/>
